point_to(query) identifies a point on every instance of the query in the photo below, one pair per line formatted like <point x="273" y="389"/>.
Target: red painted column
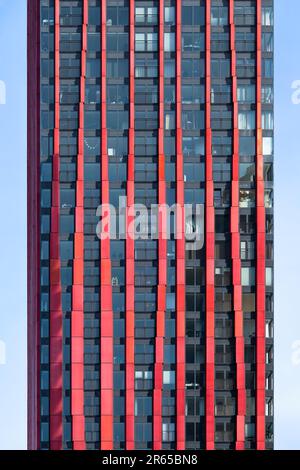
<point x="56" y="316"/>
<point x="210" y="253"/>
<point x="33" y="224"/>
<point x="162" y="254"/>
<point x="260" y="256"/>
<point x="235" y="252"/>
<point x="77" y="319"/>
<point x="129" y="267"/>
<point x="106" y="311"/>
<point x="180" y="252"/>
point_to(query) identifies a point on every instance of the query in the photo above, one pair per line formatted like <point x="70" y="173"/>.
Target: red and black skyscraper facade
<point x="143" y="342"/>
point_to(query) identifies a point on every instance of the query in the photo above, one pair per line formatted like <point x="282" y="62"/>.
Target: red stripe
<point x="77" y="318"/>
<point x="129" y="345"/>
<point x="106" y="312"/>
<point x="235" y="253"/>
<point x="33" y="224"/>
<point x="180" y="253"/>
<point x="210" y="256"/>
<point x="162" y="253"/>
<point x="56" y="316"/>
<point x="260" y="259"/>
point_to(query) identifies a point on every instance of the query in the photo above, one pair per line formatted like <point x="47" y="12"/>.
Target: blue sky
<point x="13" y="226"/>
<point x="287" y="258"/>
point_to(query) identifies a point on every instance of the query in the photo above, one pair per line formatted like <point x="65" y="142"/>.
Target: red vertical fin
<point x="235" y="252"/>
<point x="56" y="315"/>
<point x="210" y="253"/>
<point x="162" y="253"/>
<point x="106" y="312"/>
<point x="77" y="319"/>
<point x="260" y="254"/>
<point x="129" y="295"/>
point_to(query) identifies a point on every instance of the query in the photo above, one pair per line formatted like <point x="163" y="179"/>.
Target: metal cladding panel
<point x="106" y="313"/>
<point x="33" y="224"/>
<point x="56" y="315"/>
<point x="235" y="252"/>
<point x="210" y="249"/>
<point x="260" y="252"/>
<point x="180" y="253"/>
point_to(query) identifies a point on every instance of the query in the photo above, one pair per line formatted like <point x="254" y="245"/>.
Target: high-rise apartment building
<point x="145" y="344"/>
